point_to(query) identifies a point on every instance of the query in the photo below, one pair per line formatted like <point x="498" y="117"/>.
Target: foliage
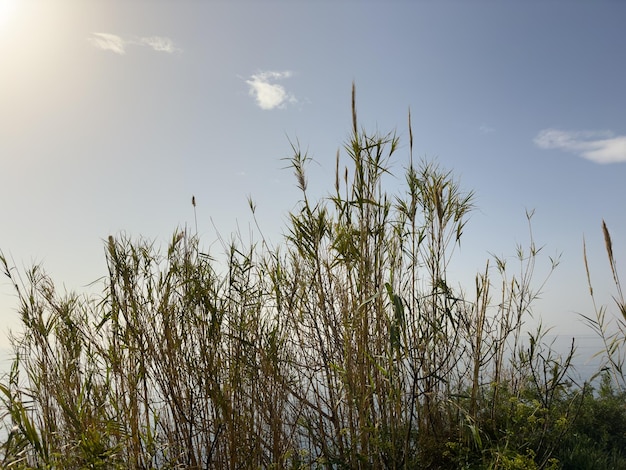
<point x="598" y="437"/>
<point x="346" y="347"/>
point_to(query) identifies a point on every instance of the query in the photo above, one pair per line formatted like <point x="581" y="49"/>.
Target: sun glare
<point x="7" y="8"/>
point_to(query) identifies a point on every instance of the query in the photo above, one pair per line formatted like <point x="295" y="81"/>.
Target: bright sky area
<point x="113" y="114"/>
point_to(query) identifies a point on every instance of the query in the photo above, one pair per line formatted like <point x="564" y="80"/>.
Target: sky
<point x="113" y="114"/>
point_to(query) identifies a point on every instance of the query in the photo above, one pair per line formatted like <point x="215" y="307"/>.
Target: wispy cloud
<point x="118" y="44"/>
<point x="159" y="43"/>
<point x="267" y="93"/>
<point x="108" y="42"/>
<point x="597" y="146"/>
<point x="485" y="129"/>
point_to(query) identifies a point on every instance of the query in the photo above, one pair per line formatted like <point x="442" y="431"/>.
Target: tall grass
<point x="611" y="329"/>
<point x="346" y="347"/>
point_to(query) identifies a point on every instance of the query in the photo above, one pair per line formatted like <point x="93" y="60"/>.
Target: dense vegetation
<point x="345" y="347"/>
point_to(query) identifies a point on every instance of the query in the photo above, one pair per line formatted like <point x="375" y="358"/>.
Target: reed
<point x="345" y="346"/>
<point x="611" y="329"/>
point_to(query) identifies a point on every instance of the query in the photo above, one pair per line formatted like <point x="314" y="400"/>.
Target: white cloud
<point x="117" y="44"/>
<point x="597" y="146"/>
<point x="159" y="43"/>
<point x="268" y="94"/>
<point x="108" y="42"/>
<point x="485" y="129"/>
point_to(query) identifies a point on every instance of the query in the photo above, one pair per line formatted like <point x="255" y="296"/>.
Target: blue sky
<point x="113" y="114"/>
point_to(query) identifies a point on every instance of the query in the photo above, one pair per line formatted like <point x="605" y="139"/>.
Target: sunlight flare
<point x="7" y="11"/>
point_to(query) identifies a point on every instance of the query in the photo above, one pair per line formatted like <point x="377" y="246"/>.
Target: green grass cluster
<point x="346" y="347"/>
